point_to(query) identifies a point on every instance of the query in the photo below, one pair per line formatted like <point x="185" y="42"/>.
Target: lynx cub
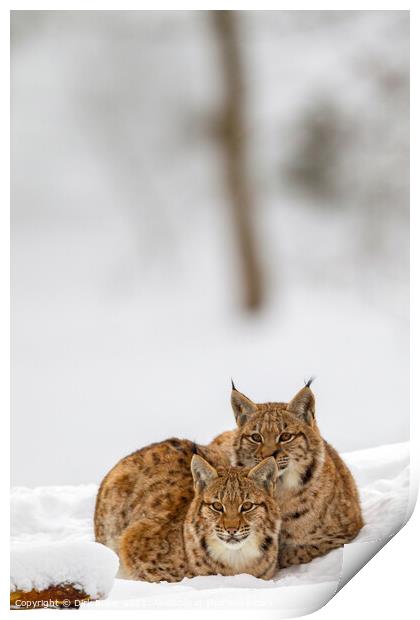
<point x="170" y="514"/>
<point x="315" y="491"/>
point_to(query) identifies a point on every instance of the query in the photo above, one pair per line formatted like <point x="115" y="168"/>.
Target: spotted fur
<point x="241" y="537"/>
<point x="315" y="491"/>
<point x="153" y="510"/>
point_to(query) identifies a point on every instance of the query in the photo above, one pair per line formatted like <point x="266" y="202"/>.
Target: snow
<point x="64" y="514"/>
<point x="52" y="513"/>
<point x="89" y="566"/>
<point x="126" y="284"/>
<point x="126" y="287"/>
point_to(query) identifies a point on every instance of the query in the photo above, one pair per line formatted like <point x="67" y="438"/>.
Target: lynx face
<point x="234" y="508"/>
<point x="287" y="432"/>
<point x="236" y="517"/>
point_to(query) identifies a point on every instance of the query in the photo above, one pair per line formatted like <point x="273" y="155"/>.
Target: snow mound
<point x="53" y="513"/>
<point x="382" y="475"/>
<point x="89" y="566"/>
<point x="65" y="514"/>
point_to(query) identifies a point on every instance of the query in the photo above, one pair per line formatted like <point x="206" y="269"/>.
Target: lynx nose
<point x="268" y="450"/>
<point x="231" y="530"/>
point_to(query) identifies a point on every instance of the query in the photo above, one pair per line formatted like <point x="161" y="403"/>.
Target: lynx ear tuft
<point x="265" y="475"/>
<point x="303" y="404"/>
<point x="203" y="473"/>
<point x="242" y="406"/>
<point x="309" y="381"/>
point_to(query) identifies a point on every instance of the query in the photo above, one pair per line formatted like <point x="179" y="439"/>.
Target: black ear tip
<point x="196" y="450"/>
<point x="309" y="382"/>
<point x="233" y="385"/>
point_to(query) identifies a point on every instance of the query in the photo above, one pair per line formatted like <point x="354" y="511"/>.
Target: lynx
<point x="315" y="491"/>
<point x="170" y="514"/>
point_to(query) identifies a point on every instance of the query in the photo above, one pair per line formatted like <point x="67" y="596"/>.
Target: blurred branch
<point x="234" y="147"/>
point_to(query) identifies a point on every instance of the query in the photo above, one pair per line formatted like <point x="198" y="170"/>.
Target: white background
<point x="126" y="316"/>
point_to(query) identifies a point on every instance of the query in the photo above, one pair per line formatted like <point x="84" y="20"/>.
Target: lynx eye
<point x="217" y="506"/>
<point x="285" y="437"/>
<point x="256" y="437"/>
<point x="247" y="506"/>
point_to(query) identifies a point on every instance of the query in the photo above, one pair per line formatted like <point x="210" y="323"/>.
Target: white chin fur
<point x="290" y="477"/>
<point x="236" y="555"/>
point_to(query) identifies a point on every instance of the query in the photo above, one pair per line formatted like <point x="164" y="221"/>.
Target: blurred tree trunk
<point x="234" y="146"/>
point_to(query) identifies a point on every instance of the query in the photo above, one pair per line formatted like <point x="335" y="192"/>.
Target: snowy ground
<point x="64" y="514"/>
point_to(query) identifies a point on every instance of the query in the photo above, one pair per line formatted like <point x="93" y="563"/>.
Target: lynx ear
<point x="203" y="473"/>
<point x="242" y="406"/>
<point x="265" y="474"/>
<point x="303" y="405"/>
